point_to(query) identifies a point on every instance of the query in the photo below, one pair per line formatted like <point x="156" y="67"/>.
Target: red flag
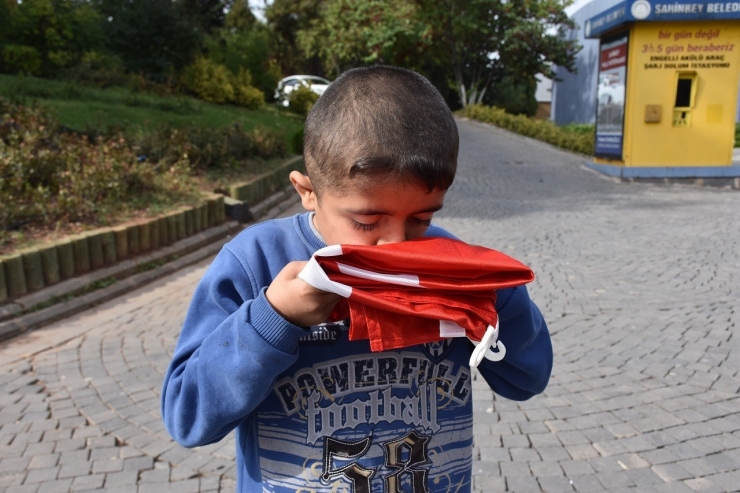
<point x="414" y="292"/>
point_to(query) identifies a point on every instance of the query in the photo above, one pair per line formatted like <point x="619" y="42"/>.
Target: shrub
<point x="737" y="135"/>
<point x="209" y="148"/>
<point x="245" y="94"/>
<point x="22" y="59"/>
<point x="214" y="82"/>
<point x="209" y="81"/>
<point x="47" y="175"/>
<point x="100" y="69"/>
<point x="301" y="100"/>
<point x="296" y="142"/>
<point x="578" y="140"/>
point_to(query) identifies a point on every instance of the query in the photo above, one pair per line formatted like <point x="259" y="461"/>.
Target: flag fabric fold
<point x="417" y="291"/>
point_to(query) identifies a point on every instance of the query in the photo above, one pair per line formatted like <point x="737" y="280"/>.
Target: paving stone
<point x="645" y="384"/>
<point x="58" y="486"/>
<point x="672" y="472"/>
<point x="522" y="483"/>
<point x="88" y="483"/>
<point x="121" y="479"/>
<point x="703" y="485"/>
<point x="42" y="461"/>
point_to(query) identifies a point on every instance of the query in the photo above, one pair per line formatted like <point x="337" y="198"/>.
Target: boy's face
<point x="388" y="212"/>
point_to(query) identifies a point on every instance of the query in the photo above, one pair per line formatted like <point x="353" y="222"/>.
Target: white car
<point x="285" y="86"/>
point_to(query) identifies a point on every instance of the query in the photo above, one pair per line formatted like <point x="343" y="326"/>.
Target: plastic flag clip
<point x="484" y="348"/>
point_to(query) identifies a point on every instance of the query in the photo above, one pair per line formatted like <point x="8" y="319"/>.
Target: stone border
<point x="32" y="269"/>
<point x="262" y="186"/>
<point x="34" y="278"/>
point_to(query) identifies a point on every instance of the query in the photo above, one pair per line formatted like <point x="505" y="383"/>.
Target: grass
<point x="87" y="108"/>
<point x="147" y="121"/>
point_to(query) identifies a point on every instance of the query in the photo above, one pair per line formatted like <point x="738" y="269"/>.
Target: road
<point x="638" y="282"/>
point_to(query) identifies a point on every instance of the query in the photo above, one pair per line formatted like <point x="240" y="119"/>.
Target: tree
<point x="485" y="41"/>
<point x="240" y="16"/>
<point x="286" y="18"/>
<point x="155" y="38"/>
<point x="206" y="15"/>
<point x="59" y="31"/>
<point x="347" y="33"/>
<point x="246" y="49"/>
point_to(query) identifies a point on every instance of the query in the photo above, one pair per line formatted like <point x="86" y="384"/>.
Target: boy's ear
<point x="303" y="186"/>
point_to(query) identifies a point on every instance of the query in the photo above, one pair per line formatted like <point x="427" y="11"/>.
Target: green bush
<point x="245" y="94"/>
<point x="49" y="176"/>
<point x="737" y="135"/>
<point x="99" y="69"/>
<point x="209" y="148"/>
<point x="296" y="142"/>
<point x="209" y="81"/>
<point x="20" y="59"/>
<point x="301" y="100"/>
<point x="577" y="140"/>
<point x="215" y="83"/>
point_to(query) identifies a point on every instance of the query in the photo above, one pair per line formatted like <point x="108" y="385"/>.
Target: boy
<point x="313" y="411"/>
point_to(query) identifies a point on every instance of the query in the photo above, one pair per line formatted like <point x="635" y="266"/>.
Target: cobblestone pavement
<point x="638" y="283"/>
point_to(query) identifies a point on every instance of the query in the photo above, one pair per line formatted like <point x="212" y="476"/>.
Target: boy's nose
<point x="394" y="235"/>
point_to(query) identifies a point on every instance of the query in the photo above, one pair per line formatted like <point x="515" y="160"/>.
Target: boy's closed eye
<point x="373" y="224"/>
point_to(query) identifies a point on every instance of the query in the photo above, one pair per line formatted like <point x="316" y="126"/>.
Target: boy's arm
<point x="525" y="370"/>
<point x="232" y="346"/>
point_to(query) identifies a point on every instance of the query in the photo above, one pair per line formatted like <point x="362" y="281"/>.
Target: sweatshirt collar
<point x="309" y="231"/>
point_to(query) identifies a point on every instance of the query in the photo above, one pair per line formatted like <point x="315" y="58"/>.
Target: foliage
<point x="302" y="99"/>
<point x="101" y="69"/>
<point x="737" y="135"/>
<point x="21" y="59"/>
<point x="580" y="128"/>
<point x="209" y="148"/>
<point x="209" y="80"/>
<point x="470" y="45"/>
<point x="348" y="33"/>
<point x="153" y="37"/>
<point x="52" y="176"/>
<point x="23" y="89"/>
<point x="296" y="142"/>
<point x="484" y="41"/>
<point x="514" y="95"/>
<point x="245" y="94"/>
<point x="49" y="176"/>
<point x="577" y="140"/>
<point x="286" y="18"/>
<point x="240" y="16"/>
<point x="246" y="48"/>
<point x="215" y="83"/>
<point x="95" y="110"/>
<point x="60" y="31"/>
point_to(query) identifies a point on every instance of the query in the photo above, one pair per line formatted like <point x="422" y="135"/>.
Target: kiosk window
<point x="685" y="96"/>
<point x="683" y="92"/>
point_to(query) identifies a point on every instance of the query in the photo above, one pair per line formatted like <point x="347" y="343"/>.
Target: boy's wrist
<point x="272" y="326"/>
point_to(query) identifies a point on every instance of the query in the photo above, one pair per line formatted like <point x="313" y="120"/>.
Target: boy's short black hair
<point x="381" y="120"/>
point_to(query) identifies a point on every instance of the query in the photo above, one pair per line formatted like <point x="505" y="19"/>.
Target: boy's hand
<point x="297" y="301"/>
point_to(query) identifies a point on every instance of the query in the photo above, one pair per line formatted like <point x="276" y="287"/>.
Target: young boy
<point x="313" y="411"/>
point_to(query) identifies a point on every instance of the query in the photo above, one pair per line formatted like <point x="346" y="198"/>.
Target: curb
<point x="130" y="274"/>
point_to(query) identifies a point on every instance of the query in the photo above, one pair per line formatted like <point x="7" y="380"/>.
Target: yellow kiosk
<point x="667" y="88"/>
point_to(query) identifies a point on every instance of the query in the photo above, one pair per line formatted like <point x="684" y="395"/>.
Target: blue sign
<point x="657" y="10"/>
<point x="608" y="145"/>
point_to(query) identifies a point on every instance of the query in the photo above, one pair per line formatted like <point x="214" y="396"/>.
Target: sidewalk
<point x="639" y="286"/>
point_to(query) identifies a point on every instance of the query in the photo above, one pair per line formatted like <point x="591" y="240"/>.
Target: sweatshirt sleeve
<point x="232" y="347"/>
<point x="526" y="367"/>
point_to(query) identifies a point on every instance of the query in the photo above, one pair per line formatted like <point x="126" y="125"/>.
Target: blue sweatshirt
<point x="314" y="411"/>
